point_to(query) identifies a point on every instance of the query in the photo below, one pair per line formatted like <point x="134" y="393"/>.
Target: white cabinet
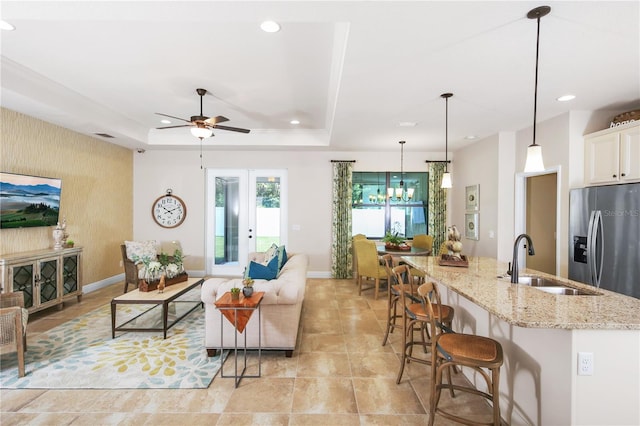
<point x="46" y="277"/>
<point x="613" y="155"/>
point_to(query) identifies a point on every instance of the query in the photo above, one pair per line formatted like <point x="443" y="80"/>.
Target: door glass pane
<point x="267" y="212"/>
<point x="226" y="220"/>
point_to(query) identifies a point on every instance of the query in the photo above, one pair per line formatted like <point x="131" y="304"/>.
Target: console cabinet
<point x="46" y="277"/>
<point x="613" y="155"/>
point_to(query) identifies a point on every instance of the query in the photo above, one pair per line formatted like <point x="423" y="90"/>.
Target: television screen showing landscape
<point x="27" y="201"/>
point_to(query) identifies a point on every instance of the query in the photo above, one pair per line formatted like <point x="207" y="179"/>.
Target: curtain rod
<point x="343" y="161"/>
<point x="437" y="161"/>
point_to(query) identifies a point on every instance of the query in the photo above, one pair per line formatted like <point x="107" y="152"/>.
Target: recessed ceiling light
<point x="407" y="124"/>
<point x="471" y="137"/>
<point x="566" y="98"/>
<point x="270" y="26"/>
<point x="165" y="121"/>
<point x="295" y="122"/>
<point x="4" y="25"/>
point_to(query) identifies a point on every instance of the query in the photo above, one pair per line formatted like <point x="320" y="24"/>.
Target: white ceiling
<point x="350" y="71"/>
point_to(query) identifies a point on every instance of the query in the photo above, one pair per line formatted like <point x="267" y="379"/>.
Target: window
<point x="375" y="213"/>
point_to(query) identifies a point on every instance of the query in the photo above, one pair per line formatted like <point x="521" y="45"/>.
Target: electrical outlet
<point x="585" y="363"/>
<point x="121" y="264"/>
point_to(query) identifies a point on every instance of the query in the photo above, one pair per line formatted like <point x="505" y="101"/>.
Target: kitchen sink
<point x="549" y="285"/>
<point x="567" y="291"/>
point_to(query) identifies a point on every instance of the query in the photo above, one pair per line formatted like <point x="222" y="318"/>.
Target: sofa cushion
<point x="282" y="257"/>
<point x="270" y="254"/>
<point x="140" y="249"/>
<point x="258" y="271"/>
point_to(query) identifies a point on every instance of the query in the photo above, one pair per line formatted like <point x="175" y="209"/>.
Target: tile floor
<point x="339" y="375"/>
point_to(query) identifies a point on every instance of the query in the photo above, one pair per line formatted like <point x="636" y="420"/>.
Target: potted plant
<point x="69" y="243"/>
<point x="235" y="293"/>
<point x="392" y="240"/>
<point x="247" y="290"/>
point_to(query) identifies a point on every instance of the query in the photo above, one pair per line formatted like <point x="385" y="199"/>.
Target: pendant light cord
<point x="446" y="134"/>
<point x="535" y="93"/>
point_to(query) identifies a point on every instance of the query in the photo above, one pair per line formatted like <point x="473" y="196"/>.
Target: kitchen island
<point x="541" y="335"/>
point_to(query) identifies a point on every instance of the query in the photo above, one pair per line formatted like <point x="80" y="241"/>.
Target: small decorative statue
<point x="161" y="284"/>
<point x="453" y="242"/>
<point x="58" y="237"/>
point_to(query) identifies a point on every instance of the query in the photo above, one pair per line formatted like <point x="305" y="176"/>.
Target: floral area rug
<point x="80" y="354"/>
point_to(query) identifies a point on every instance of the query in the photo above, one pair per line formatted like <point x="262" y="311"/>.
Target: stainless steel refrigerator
<point x="604" y="232"/>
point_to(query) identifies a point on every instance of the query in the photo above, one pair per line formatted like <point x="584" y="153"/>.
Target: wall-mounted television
<point x="28" y="201"/>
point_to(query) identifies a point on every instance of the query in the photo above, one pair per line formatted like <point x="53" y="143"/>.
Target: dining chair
<point x="450" y="350"/>
<point x="369" y="267"/>
<point x="423" y="241"/>
<point x="354" y="257"/>
<point x="13" y="326"/>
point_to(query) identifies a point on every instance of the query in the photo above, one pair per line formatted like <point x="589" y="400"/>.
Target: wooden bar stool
<point x="449" y="349"/>
<point x="393" y="296"/>
<point x="416" y="319"/>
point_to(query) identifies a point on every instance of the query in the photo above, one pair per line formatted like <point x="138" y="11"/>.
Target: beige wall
<point x="97" y="190"/>
<point x="309" y="179"/>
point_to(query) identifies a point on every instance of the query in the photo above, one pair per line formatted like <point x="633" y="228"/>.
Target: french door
<point x="246" y="212"/>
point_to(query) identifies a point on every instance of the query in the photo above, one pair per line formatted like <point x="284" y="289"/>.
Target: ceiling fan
<point x="202" y="126"/>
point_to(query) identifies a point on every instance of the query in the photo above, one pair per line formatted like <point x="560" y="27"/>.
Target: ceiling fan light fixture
<point x="270" y="27"/>
<point x="201" y="132"/>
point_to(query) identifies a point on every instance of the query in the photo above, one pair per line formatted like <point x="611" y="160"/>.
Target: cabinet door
<point x="23" y="279"/>
<point x="48" y="281"/>
<point x="630" y="154"/>
<point x="69" y="275"/>
<point x="602" y="156"/>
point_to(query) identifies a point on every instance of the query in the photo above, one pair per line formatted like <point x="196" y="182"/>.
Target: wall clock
<point x="169" y="210"/>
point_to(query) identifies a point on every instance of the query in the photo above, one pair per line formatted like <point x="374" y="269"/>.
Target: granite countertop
<point x="526" y="306"/>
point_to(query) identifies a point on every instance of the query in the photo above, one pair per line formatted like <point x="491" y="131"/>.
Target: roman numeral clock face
<point x="169" y="211"/>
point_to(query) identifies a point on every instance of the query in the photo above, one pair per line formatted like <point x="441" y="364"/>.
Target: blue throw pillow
<point x="282" y="257"/>
<point x="258" y="271"/>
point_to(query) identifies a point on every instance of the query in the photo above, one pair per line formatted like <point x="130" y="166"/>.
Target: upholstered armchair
<point x="130" y="270"/>
<point x="13" y="326"/>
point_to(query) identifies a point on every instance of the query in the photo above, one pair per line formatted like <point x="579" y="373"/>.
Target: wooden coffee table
<point x="170" y="295"/>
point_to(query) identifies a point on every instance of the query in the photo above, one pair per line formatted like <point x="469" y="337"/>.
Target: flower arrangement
<point x="152" y="269"/>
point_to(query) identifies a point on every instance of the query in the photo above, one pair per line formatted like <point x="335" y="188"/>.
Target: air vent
<point x="104" y="135"/>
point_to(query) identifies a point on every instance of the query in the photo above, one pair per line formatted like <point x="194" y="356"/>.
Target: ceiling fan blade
<point x="171" y="116"/>
<point x="215" y="120"/>
<point x="233" y="129"/>
<point x="173" y="127"/>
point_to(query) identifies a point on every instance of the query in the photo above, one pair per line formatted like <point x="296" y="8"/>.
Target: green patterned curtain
<point x="341" y="257"/>
<point x="437" y="206"/>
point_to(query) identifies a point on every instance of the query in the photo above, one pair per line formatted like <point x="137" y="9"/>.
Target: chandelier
<point x="400" y="193"/>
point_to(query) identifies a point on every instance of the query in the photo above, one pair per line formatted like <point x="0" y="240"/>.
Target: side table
<point x="238" y="313"/>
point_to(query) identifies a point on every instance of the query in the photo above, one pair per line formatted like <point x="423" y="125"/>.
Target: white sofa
<point x="281" y="308"/>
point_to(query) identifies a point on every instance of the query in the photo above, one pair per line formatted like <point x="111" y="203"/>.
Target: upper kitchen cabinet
<point x="613" y="155"/>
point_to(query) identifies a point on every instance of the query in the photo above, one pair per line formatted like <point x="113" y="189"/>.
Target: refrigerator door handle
<point x="598" y="268"/>
<point x="591" y="248"/>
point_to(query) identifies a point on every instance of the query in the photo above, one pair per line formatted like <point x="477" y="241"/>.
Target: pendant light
<point x="534" y="161"/>
<point x="446" y="176"/>
<point x="399" y="192"/>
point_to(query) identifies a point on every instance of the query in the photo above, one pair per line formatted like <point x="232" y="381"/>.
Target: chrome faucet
<point x="514" y="261"/>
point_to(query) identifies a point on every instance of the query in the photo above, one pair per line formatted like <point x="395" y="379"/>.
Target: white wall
<point x="309" y="177"/>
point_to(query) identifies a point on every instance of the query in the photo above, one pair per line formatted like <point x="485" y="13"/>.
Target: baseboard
<point x="120" y="278"/>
